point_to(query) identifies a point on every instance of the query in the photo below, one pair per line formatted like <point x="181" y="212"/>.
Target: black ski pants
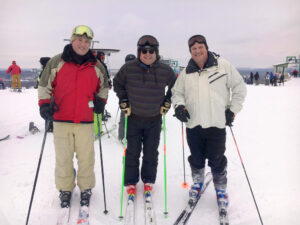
<point x="142" y="136"/>
<point x="208" y="144"/>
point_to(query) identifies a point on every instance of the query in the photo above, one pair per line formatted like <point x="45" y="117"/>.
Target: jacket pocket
<point x="215" y="79"/>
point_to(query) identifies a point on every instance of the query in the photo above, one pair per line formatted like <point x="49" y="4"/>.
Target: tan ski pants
<point x="70" y="138"/>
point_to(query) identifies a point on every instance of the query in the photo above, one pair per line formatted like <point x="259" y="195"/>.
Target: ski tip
<point x="185" y="185"/>
<point x="121" y="217"/>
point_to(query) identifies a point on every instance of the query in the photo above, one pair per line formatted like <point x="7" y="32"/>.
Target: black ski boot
<point x="65" y="198"/>
<point x="85" y="197"/>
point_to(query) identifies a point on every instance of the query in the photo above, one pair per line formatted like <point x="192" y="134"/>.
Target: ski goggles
<point x="82" y="29"/>
<point x="196" y="38"/>
<point x="145" y="50"/>
<point x="148" y="40"/>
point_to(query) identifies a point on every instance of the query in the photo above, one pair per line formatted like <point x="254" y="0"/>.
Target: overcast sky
<point x="249" y="33"/>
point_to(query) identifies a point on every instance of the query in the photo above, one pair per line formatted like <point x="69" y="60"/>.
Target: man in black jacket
<point x="140" y="85"/>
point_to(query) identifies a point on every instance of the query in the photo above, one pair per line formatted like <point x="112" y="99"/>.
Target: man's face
<point x="81" y="45"/>
<point x="146" y="57"/>
<point x="199" y="53"/>
<point x="102" y="58"/>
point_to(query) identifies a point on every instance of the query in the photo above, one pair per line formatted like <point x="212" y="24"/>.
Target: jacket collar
<point x="211" y="61"/>
<point x="69" y="55"/>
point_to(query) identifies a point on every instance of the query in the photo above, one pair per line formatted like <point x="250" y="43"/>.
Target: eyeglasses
<point x="144" y="51"/>
<point x="196" y="38"/>
<point x="82" y="29"/>
<point x="148" y="40"/>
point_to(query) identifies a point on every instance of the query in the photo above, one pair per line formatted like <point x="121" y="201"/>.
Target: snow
<point x="267" y="133"/>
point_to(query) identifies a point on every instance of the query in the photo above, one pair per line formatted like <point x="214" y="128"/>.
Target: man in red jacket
<point x="15" y="75"/>
<point x="70" y="90"/>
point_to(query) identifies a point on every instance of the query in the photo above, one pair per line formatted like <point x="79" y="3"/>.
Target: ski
<point x="129" y="215"/>
<point x="5" y="138"/>
<point x="149" y="211"/>
<point x="83" y="217"/>
<point x="187" y="212"/>
<point x="64" y="216"/>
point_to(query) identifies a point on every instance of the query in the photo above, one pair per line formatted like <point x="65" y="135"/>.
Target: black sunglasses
<point x="144" y="51"/>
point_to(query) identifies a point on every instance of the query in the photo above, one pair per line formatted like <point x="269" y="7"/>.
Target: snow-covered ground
<point x="268" y="136"/>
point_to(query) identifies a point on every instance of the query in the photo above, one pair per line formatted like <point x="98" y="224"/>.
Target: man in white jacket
<point x="207" y="95"/>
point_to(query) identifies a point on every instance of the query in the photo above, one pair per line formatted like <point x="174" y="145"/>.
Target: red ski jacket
<point x="73" y="87"/>
<point x="14" y="69"/>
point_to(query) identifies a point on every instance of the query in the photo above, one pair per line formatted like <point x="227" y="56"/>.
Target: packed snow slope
<point x="267" y="132"/>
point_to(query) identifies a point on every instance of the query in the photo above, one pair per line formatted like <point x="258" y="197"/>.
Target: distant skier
<point x="43" y="62"/>
<point x="275" y="79"/>
<point x="256" y="78"/>
<point x="2" y="84"/>
<point x="73" y="80"/>
<point x="128" y="58"/>
<point x="272" y="78"/>
<point x="15" y="76"/>
<point x="267" y="79"/>
<point x="295" y="73"/>
<point x="101" y="57"/>
<point x="140" y="86"/>
<point x="281" y="79"/>
<point x="251" y="78"/>
<point x="207" y="95"/>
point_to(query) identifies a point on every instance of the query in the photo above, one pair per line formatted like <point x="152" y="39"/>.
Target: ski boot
<point x="148" y="189"/>
<point x="222" y="198"/>
<point x="131" y="192"/>
<point x="85" y="197"/>
<point x="65" y="198"/>
<point x="195" y="192"/>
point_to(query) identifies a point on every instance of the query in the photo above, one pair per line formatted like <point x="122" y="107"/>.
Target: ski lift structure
<point x="173" y="64"/>
<point x="282" y="67"/>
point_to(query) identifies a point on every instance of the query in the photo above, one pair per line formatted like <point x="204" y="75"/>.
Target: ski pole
<point x="184" y="184"/>
<point x="165" y="165"/>
<point x="38" y="169"/>
<point x="106" y="129"/>
<point x="246" y="175"/>
<point x="101" y="160"/>
<point x="123" y="172"/>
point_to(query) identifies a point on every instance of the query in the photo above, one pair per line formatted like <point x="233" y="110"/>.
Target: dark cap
<point x="129" y="57"/>
<point x="147" y="40"/>
<point x="44" y="60"/>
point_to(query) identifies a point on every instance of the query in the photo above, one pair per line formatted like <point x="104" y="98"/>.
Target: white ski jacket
<point x="207" y="93"/>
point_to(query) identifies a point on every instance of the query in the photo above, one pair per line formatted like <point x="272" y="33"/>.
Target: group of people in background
<point x="273" y="79"/>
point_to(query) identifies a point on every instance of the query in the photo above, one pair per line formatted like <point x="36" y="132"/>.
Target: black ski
<point x="5" y="138"/>
<point x="188" y="210"/>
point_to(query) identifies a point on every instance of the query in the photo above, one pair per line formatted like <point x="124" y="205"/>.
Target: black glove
<point x="165" y="106"/>
<point x="99" y="104"/>
<point x="229" y="117"/>
<point x="125" y="106"/>
<point x="181" y="113"/>
<point x="46" y="111"/>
